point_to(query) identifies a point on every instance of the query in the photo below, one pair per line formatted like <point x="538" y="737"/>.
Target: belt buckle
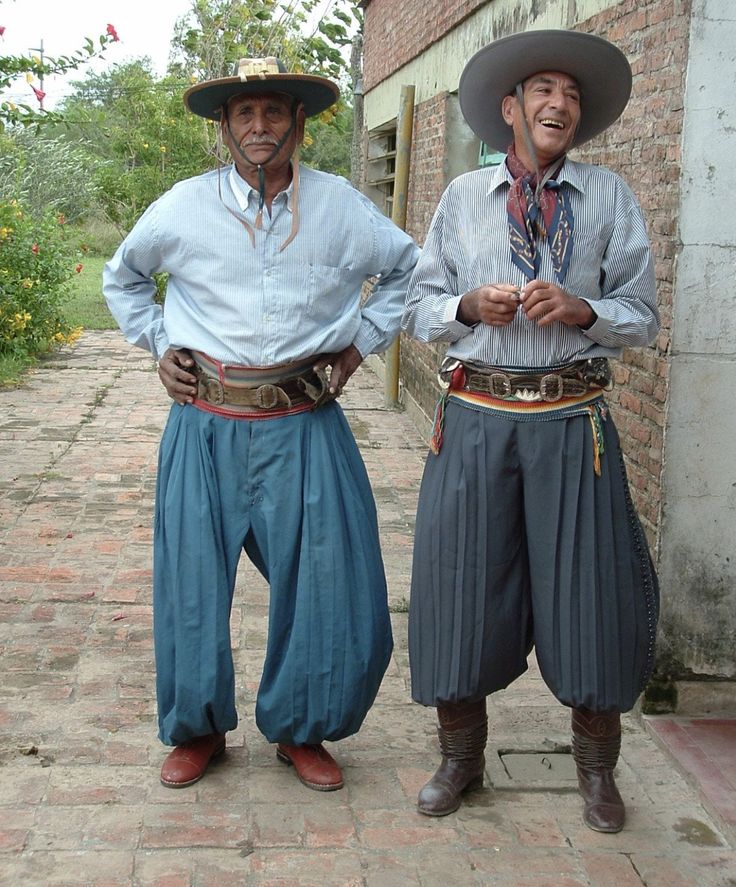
<point x="214" y="392"/>
<point x="444" y="376"/>
<point x="318" y="393"/>
<point x="551" y="380"/>
<point x="499" y="385"/>
<point x="269" y="396"/>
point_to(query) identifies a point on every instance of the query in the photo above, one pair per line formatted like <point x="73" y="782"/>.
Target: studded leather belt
<point x="569" y="381"/>
<point x="308" y="388"/>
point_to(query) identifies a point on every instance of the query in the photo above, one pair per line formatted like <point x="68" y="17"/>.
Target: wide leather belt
<point x="309" y="388"/>
<point x="569" y="381"/>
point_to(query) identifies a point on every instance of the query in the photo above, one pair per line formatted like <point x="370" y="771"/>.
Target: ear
<point x="507" y="109"/>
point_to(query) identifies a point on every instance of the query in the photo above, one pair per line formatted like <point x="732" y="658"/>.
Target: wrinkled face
<point x="258" y="123"/>
<point x="552" y="105"/>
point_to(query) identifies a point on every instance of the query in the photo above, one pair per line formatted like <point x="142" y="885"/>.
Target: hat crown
<point x="600" y="69"/>
<point x="258" y="75"/>
<point x="262" y="67"/>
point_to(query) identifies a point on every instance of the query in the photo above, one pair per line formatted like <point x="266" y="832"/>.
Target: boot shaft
<point x="596" y="739"/>
<point x="462" y="730"/>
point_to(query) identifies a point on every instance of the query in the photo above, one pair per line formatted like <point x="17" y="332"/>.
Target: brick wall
<point x="644" y="147"/>
<point x="419" y="362"/>
<point x="398" y="31"/>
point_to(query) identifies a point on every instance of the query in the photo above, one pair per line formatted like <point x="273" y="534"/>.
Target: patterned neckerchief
<point x="533" y="209"/>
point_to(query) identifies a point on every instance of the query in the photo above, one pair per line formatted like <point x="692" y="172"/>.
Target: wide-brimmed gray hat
<point x="601" y="70"/>
<point x="261" y="75"/>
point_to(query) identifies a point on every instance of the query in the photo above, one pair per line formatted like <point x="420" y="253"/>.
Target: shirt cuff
<point x="450" y="321"/>
<point x="364" y="341"/>
<point x="160" y="343"/>
<point x="598" y="330"/>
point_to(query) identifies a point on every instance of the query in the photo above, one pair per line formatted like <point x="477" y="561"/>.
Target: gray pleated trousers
<point x="519" y="544"/>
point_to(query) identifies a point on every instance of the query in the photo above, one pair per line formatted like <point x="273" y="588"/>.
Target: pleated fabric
<point x="519" y="544"/>
<point x="293" y="492"/>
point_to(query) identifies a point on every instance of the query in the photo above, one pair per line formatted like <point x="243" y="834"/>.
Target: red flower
<point x="2" y="30"/>
<point x="113" y="33"/>
<point x="34" y="249"/>
<point x="40" y="94"/>
<point x="79" y="267"/>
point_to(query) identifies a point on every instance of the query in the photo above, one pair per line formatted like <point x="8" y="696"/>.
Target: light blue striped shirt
<point x="261" y="306"/>
<point x="468" y="246"/>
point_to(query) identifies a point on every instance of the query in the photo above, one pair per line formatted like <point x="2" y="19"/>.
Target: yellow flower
<point x="20" y="320"/>
<point x="29" y="77"/>
<point x="5" y="232"/>
<point x="145" y="144"/>
<point x="26" y="283"/>
<point x="162" y="149"/>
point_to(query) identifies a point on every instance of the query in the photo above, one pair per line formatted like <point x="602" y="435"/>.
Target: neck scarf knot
<point x="537" y="206"/>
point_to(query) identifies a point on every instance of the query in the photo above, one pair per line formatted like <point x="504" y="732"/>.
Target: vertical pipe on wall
<point x="404" y="129"/>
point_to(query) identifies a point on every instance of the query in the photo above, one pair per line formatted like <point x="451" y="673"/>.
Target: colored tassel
<point x="438" y="426"/>
<point x="597" y="415"/>
<point x="456" y="381"/>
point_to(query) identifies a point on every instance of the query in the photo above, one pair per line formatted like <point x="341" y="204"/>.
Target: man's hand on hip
<point x="180" y="384"/>
<point x="343" y="364"/>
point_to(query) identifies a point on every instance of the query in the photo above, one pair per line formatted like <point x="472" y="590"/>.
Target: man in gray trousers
<point x="536" y="272"/>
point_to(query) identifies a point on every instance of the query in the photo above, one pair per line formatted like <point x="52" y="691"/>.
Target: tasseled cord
<point x="597" y="414"/>
<point x="457" y="380"/>
<point x="438" y="425"/>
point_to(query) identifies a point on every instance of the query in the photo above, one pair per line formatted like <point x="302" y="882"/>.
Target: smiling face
<point x="552" y="106"/>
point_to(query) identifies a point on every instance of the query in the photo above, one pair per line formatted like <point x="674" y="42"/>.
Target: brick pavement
<point x="81" y="803"/>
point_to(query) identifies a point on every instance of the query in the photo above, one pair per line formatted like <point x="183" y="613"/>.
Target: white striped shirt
<point x="468" y="246"/>
<point x="258" y="306"/>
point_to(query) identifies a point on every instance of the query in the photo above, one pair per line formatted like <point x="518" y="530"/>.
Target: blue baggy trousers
<point x="293" y="492"/>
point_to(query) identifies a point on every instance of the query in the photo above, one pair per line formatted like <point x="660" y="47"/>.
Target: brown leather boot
<point x="596" y="743"/>
<point x="463" y="732"/>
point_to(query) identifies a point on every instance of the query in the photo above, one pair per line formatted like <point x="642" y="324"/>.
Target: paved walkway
<point x="80" y="801"/>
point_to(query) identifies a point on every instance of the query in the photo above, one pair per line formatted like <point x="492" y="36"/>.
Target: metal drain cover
<point x="532" y="769"/>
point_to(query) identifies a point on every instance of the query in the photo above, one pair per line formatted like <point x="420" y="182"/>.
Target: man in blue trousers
<point x="266" y="263"/>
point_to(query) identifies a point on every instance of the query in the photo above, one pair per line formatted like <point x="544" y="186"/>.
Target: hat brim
<point x="601" y="70"/>
<point x="315" y="93"/>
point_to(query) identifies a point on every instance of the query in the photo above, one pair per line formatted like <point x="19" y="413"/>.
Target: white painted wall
<point x="698" y="540"/>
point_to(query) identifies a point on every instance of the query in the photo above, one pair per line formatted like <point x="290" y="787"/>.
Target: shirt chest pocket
<point x="584" y="275"/>
<point x="330" y="290"/>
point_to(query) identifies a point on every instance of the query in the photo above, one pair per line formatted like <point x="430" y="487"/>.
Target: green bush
<point x="36" y="265"/>
<point x="46" y="174"/>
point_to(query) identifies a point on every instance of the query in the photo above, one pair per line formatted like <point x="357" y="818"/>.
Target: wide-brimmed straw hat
<point x="601" y="70"/>
<point x="261" y="75"/>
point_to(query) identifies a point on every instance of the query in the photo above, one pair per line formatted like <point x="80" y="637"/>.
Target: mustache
<point x="259" y="140"/>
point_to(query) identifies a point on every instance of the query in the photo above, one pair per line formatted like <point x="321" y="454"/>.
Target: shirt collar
<point x="569" y="173"/>
<point x="243" y="191"/>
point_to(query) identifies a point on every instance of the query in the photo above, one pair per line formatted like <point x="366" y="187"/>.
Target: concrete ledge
<point x="703" y="699"/>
